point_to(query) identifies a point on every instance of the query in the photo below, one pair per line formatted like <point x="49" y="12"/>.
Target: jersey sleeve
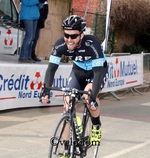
<point x="98" y="56"/>
<point x="98" y="66"/>
<point x="49" y="75"/>
<point x="57" y="51"/>
<point x="54" y="61"/>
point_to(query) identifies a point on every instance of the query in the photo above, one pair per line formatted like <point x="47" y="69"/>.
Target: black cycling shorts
<point x="80" y="78"/>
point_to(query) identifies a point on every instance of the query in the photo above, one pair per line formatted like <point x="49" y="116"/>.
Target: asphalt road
<point x="25" y="133"/>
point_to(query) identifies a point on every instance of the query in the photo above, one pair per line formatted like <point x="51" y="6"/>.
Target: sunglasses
<point x="72" y="36"/>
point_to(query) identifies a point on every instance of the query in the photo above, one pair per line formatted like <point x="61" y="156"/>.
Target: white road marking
<point x="127" y="150"/>
<point x="146" y="104"/>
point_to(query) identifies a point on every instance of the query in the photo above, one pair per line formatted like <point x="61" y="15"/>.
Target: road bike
<point x="78" y="142"/>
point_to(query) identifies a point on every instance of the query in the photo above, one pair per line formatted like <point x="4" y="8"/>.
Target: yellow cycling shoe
<point x="95" y="137"/>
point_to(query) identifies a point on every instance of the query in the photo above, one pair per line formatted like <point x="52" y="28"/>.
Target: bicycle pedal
<point x="77" y="151"/>
<point x="86" y="140"/>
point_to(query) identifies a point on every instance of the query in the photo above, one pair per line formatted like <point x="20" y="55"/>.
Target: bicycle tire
<point x="57" y="143"/>
<point x="91" y="150"/>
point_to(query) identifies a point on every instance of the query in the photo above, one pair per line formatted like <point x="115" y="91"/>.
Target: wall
<point x="80" y="6"/>
<point x="94" y="6"/>
<point x="58" y="10"/>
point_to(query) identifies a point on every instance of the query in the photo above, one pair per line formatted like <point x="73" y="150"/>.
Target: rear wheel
<point x="91" y="151"/>
<point x="61" y="143"/>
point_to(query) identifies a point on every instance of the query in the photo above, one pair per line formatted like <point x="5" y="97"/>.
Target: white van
<point x="11" y="34"/>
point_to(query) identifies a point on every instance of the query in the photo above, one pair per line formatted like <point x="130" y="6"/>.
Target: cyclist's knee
<point x="88" y="86"/>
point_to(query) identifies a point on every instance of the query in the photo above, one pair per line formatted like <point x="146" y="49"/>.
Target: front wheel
<point x="61" y="142"/>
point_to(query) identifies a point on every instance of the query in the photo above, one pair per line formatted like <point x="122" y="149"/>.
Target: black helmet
<point x="74" y="22"/>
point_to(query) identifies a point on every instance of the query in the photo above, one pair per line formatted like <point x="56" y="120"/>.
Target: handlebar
<point x="74" y="91"/>
<point x="71" y="90"/>
<point x="68" y="92"/>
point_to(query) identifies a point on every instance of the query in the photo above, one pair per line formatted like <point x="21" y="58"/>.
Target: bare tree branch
<point x="131" y="15"/>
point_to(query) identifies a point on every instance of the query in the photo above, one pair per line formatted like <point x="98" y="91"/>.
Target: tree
<point x="131" y="15"/>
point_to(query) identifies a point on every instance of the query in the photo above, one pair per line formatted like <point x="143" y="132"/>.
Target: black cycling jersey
<point x="89" y="62"/>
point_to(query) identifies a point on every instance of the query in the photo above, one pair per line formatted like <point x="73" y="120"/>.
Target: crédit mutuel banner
<point x="20" y="84"/>
<point x="124" y="72"/>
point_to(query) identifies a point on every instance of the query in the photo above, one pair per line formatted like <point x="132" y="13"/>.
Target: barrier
<point x="132" y="89"/>
<point x="111" y="55"/>
<point x="20" y="84"/>
<point x="146" y="60"/>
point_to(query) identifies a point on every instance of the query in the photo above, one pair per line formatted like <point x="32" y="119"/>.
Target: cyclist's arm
<point x="49" y="75"/>
<point x="54" y="61"/>
<point x="98" y="79"/>
<point x="98" y="67"/>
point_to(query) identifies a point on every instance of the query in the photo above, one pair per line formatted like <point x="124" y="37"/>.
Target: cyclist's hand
<point x="45" y="95"/>
<point x="45" y="99"/>
<point x="93" y="105"/>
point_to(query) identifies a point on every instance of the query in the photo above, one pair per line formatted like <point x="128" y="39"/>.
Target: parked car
<point x="11" y="34"/>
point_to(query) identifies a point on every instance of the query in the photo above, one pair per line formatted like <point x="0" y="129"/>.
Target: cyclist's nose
<point x="69" y="39"/>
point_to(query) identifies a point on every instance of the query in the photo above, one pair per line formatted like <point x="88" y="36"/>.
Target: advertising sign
<point x="124" y="72"/>
<point x="10" y="40"/>
<point x="20" y="84"/>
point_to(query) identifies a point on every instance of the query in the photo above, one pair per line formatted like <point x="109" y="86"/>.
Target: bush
<point x="132" y="15"/>
<point x="133" y="49"/>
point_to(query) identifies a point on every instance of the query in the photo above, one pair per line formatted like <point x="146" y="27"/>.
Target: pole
<point x="107" y="25"/>
<point x="86" y="9"/>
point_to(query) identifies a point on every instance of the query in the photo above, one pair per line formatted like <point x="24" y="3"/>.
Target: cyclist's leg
<point x="95" y="118"/>
<point x="96" y="112"/>
<point x="92" y="149"/>
<point x="80" y="80"/>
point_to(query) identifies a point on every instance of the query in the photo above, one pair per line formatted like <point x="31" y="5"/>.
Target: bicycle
<point x="78" y="142"/>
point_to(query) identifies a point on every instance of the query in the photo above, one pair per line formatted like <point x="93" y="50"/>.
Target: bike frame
<point x="72" y="116"/>
<point x="81" y="141"/>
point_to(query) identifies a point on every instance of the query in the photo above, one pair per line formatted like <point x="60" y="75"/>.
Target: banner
<point x="20" y="84"/>
<point x="124" y="72"/>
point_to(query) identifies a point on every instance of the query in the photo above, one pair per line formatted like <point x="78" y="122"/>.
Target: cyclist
<point x="89" y="63"/>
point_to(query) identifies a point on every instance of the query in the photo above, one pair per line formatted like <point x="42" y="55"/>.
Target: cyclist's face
<point x="72" y="38"/>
